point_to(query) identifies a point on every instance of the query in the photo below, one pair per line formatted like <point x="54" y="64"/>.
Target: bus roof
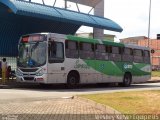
<point x="90" y="40"/>
<point x="105" y="42"/>
<point x="136" y="46"/>
<point x="95" y="41"/>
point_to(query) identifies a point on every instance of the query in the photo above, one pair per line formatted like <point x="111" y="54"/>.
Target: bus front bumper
<point x="31" y="79"/>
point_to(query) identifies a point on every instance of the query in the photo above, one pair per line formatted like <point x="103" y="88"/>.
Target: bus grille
<point x="28" y="70"/>
<point x="28" y="78"/>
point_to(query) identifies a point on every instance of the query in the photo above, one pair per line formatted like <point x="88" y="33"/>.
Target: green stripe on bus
<point x="80" y="39"/>
<point x="113" y="43"/>
<point x="116" y="68"/>
<point x="90" y="40"/>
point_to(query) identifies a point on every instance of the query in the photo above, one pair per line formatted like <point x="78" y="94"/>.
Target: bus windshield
<point x="32" y="54"/>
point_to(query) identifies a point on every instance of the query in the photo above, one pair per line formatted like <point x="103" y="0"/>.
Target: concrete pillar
<point x="99" y="11"/>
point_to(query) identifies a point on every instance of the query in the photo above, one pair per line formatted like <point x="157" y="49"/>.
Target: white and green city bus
<point x="49" y="58"/>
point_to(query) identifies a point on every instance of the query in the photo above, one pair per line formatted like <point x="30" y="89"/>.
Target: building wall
<point x="130" y="41"/>
<point x="90" y="35"/>
<point x="154" y="44"/>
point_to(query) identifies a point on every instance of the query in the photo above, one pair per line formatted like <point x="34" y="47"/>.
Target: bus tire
<point x="127" y="79"/>
<point x="72" y="80"/>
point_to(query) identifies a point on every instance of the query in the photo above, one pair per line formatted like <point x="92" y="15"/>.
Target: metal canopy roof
<point x="60" y="15"/>
<point x="91" y="3"/>
<point x="21" y="17"/>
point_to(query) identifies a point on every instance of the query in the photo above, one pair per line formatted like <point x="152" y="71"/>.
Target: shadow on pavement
<point x="80" y="88"/>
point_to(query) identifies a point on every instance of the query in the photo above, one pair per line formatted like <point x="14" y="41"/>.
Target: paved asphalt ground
<point x="37" y="101"/>
<point x="59" y="91"/>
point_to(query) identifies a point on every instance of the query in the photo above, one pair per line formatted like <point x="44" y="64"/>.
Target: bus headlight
<point x="40" y="73"/>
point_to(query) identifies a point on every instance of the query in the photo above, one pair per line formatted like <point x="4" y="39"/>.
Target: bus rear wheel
<point x="126" y="80"/>
<point x="72" y="80"/>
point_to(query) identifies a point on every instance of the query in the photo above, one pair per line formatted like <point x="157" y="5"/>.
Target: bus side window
<point x="101" y="52"/>
<point x="146" y="56"/>
<point x="71" y="49"/>
<point x="55" y="52"/>
<point x="127" y="55"/>
<point x="109" y="49"/>
<point x="138" y="55"/>
<point x="86" y="51"/>
<point x="116" y="54"/>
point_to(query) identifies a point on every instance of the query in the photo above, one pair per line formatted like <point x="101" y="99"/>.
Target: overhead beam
<point x="91" y="3"/>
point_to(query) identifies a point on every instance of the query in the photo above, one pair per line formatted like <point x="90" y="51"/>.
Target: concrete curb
<point x="9" y="85"/>
<point x="5" y="87"/>
<point x="105" y="108"/>
<point x="153" y="81"/>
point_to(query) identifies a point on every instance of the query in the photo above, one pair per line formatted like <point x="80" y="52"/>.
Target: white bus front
<point x="31" y="62"/>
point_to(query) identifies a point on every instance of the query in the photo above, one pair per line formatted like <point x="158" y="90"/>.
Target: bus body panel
<point x="90" y="70"/>
<point x="56" y="71"/>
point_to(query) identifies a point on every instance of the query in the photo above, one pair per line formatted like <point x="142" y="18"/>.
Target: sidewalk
<point x="154" y="80"/>
<point x="55" y="109"/>
<point x="8" y="84"/>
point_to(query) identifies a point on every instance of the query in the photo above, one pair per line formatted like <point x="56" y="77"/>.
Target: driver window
<point x="55" y="52"/>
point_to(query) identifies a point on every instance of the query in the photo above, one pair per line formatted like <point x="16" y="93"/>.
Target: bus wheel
<point x="127" y="80"/>
<point x="72" y="80"/>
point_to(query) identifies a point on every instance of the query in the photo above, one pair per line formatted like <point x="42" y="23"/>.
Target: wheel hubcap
<point x="72" y="80"/>
<point x="127" y="80"/>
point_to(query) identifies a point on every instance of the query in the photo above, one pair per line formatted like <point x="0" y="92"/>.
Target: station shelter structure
<point x="19" y="17"/>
